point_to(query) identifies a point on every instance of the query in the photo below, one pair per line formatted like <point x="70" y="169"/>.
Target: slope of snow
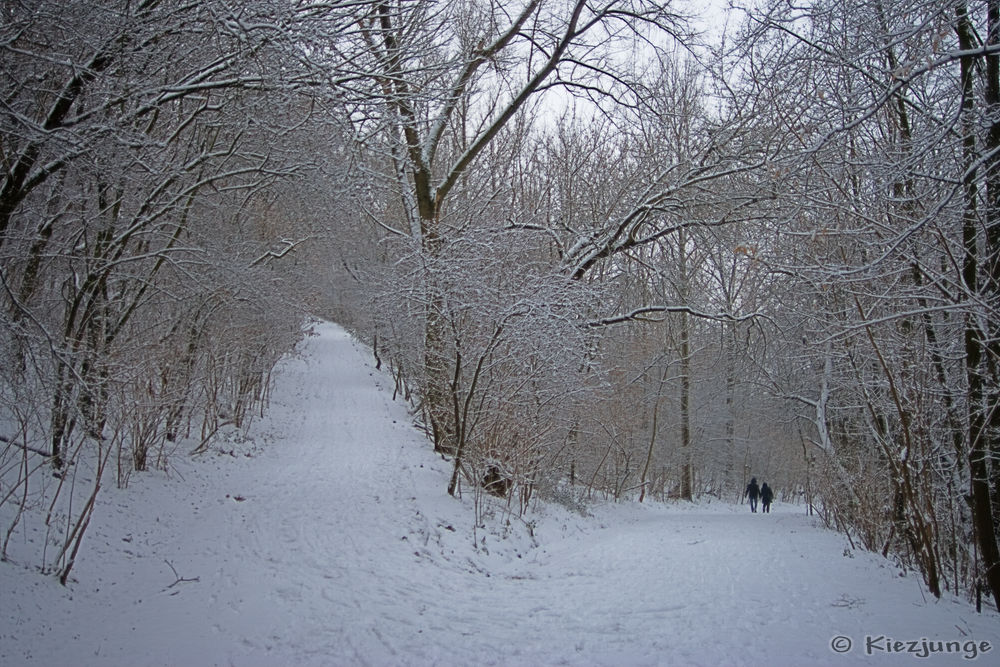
<point x="327" y="538"/>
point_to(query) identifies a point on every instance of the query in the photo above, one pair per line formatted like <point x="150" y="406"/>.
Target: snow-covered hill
<point x="328" y="539"/>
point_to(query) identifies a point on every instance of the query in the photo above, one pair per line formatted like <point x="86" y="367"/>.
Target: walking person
<point x="752" y="492"/>
<point x="766" y="496"/>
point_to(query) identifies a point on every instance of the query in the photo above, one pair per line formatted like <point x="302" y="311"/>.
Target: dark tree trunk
<point x="977" y="346"/>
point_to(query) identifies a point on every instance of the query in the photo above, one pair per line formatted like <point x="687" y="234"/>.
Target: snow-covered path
<point x="329" y="540"/>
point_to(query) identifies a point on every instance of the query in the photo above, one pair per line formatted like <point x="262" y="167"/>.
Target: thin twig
<point x="178" y="578"/>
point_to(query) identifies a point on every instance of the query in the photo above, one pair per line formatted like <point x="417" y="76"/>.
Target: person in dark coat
<point x="766" y="496"/>
<point x="752" y="492"/>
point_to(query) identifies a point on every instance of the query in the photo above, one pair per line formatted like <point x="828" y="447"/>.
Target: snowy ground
<point x="328" y="539"/>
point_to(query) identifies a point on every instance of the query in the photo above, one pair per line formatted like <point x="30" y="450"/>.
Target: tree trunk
<point x="685" y="345"/>
<point x="437" y="394"/>
<point x="652" y="435"/>
<point x="729" y="343"/>
<point x="980" y="438"/>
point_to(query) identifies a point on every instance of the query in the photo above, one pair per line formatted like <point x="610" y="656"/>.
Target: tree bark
<point x="981" y="443"/>
<point x="685" y="352"/>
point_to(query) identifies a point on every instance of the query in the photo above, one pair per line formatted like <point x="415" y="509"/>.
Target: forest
<point x="622" y="249"/>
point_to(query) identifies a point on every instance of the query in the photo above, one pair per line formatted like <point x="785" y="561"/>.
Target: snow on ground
<point x="327" y="538"/>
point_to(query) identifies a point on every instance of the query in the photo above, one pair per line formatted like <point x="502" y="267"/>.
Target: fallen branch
<point x="178" y="579"/>
<point x="24" y="445"/>
<point x="203" y="446"/>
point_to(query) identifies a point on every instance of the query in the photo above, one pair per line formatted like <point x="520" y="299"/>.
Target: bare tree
<point x="443" y="81"/>
<point x="889" y="232"/>
<point x="141" y="144"/>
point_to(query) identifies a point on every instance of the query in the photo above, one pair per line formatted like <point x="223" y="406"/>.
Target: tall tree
<point x="140" y="143"/>
<point x="443" y="79"/>
<point x="891" y="236"/>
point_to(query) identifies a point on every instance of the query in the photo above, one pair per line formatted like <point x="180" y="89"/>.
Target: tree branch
<point x="641" y="315"/>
